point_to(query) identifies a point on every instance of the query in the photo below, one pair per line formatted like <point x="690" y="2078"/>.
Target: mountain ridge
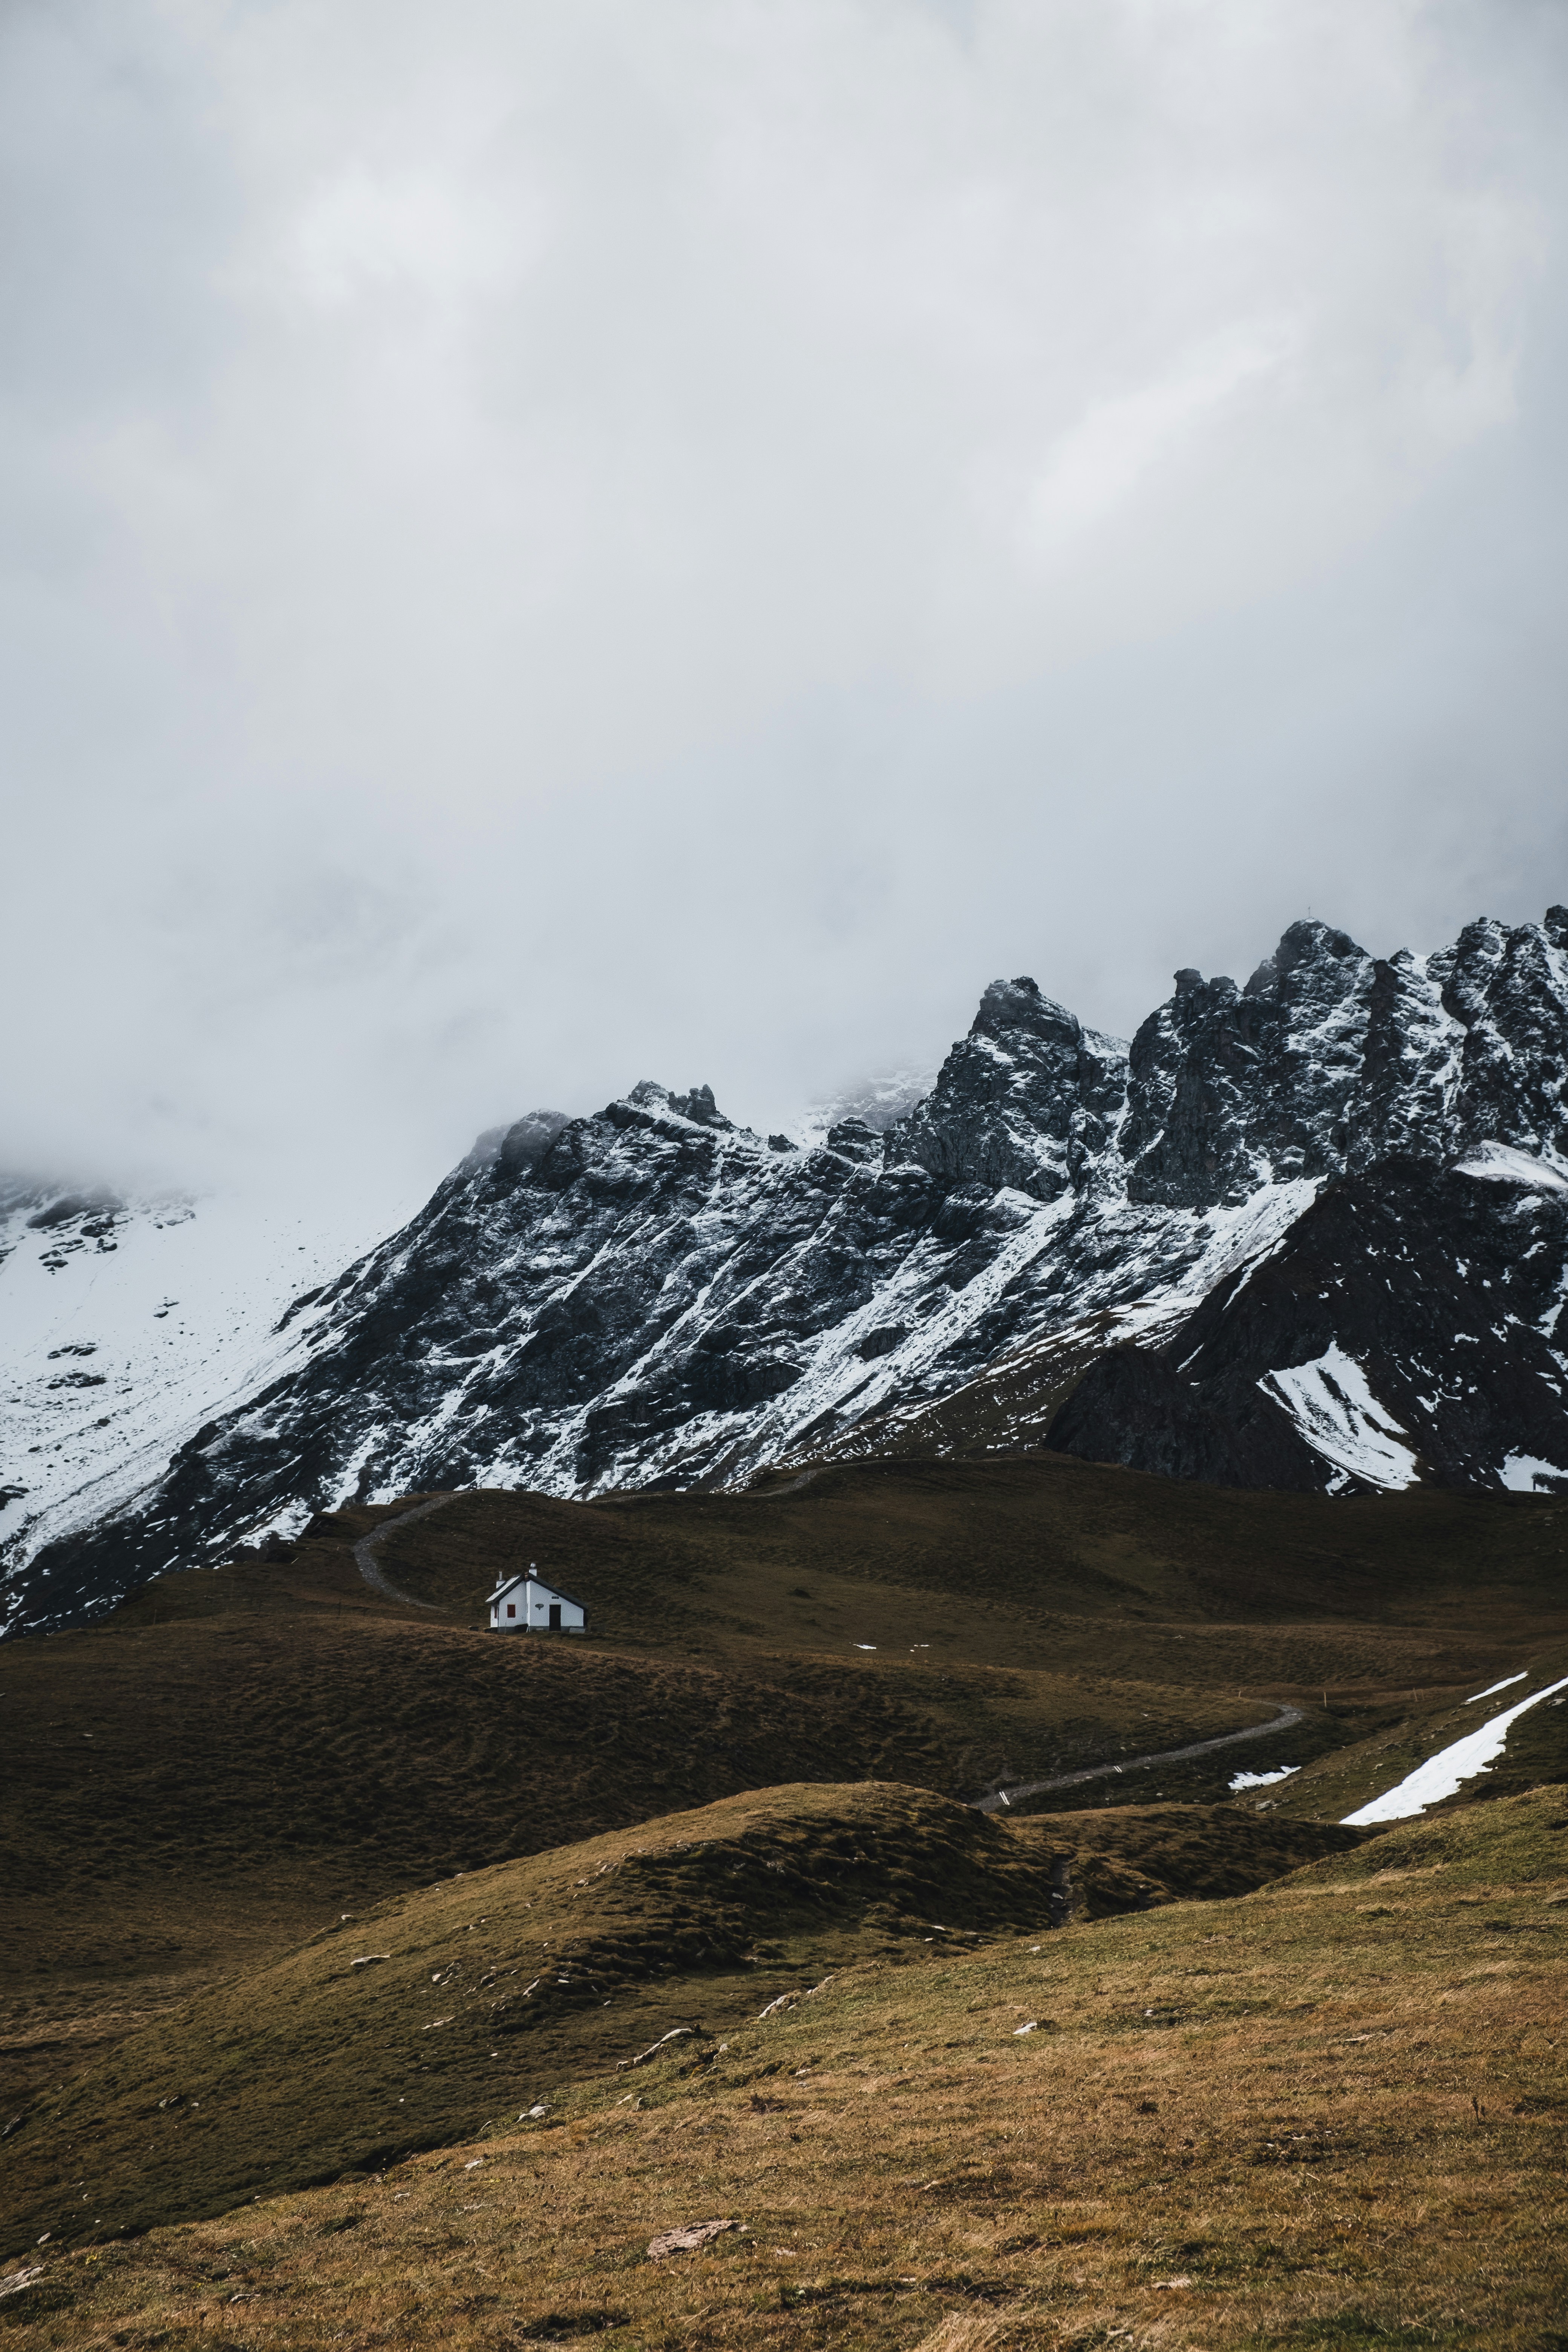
<point x="655" y="1296"/>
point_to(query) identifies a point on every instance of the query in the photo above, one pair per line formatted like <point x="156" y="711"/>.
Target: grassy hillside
<point x="1328" y="2114"/>
<point x="1043" y="1563"/>
<point x="1338" y="1782"/>
<point x="1046" y="1612"/>
<point x="234" y="1757"/>
<point x="561" y="1968"/>
<point x="181" y="1798"/>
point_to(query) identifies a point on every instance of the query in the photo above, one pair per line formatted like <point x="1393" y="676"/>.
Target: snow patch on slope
<point x="1444" y="1774"/>
<point x="1504" y="1165"/>
<point x="1526" y="1473"/>
<point x="1332" y="1404"/>
<point x="1492" y="1689"/>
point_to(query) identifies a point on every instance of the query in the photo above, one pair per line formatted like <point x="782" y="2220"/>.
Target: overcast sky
<point x="549" y="545"/>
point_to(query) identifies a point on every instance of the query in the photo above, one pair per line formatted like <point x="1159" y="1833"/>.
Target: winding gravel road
<point x="1002" y="1797"/>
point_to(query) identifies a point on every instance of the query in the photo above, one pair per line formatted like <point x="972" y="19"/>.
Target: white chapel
<point x="526" y="1604"/>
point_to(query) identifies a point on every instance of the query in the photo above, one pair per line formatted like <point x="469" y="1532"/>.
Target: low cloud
<point x="547" y="547"/>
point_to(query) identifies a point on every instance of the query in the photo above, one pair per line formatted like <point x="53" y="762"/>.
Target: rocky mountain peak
<point x="1509" y="989"/>
<point x="1189" y="983"/>
<point x="697" y="1107"/>
<point x="522" y="1145"/>
<point x="653" y="1295"/>
<point x="1025" y="1100"/>
<point x="1311" y="949"/>
<point x="1020" y="1007"/>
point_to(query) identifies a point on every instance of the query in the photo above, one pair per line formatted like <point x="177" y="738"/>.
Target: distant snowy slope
<point x="125" y="1324"/>
<point x="878" y="1103"/>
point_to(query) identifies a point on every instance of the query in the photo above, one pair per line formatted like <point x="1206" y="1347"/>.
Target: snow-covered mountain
<point x="1329" y="1208"/>
<point x="126" y="1321"/>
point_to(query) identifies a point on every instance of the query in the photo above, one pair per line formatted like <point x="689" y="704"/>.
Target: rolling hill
<point x="236" y="1755"/>
<point x="1328" y="2113"/>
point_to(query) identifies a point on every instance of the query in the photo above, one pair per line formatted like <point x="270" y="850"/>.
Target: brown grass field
<point x="199" y="1789"/>
<point x="1330" y="2113"/>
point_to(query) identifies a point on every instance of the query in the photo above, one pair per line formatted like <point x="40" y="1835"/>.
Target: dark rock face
<point x="526" y="1141"/>
<point x="655" y="1295"/>
<point x="1233" y="1088"/>
<point x="1133" y="1408"/>
<point x="1412" y="1324"/>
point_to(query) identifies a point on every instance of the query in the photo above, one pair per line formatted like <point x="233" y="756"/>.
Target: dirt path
<point x="1000" y="1798"/>
<point x="365" y="1556"/>
<point x="791" y="1486"/>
